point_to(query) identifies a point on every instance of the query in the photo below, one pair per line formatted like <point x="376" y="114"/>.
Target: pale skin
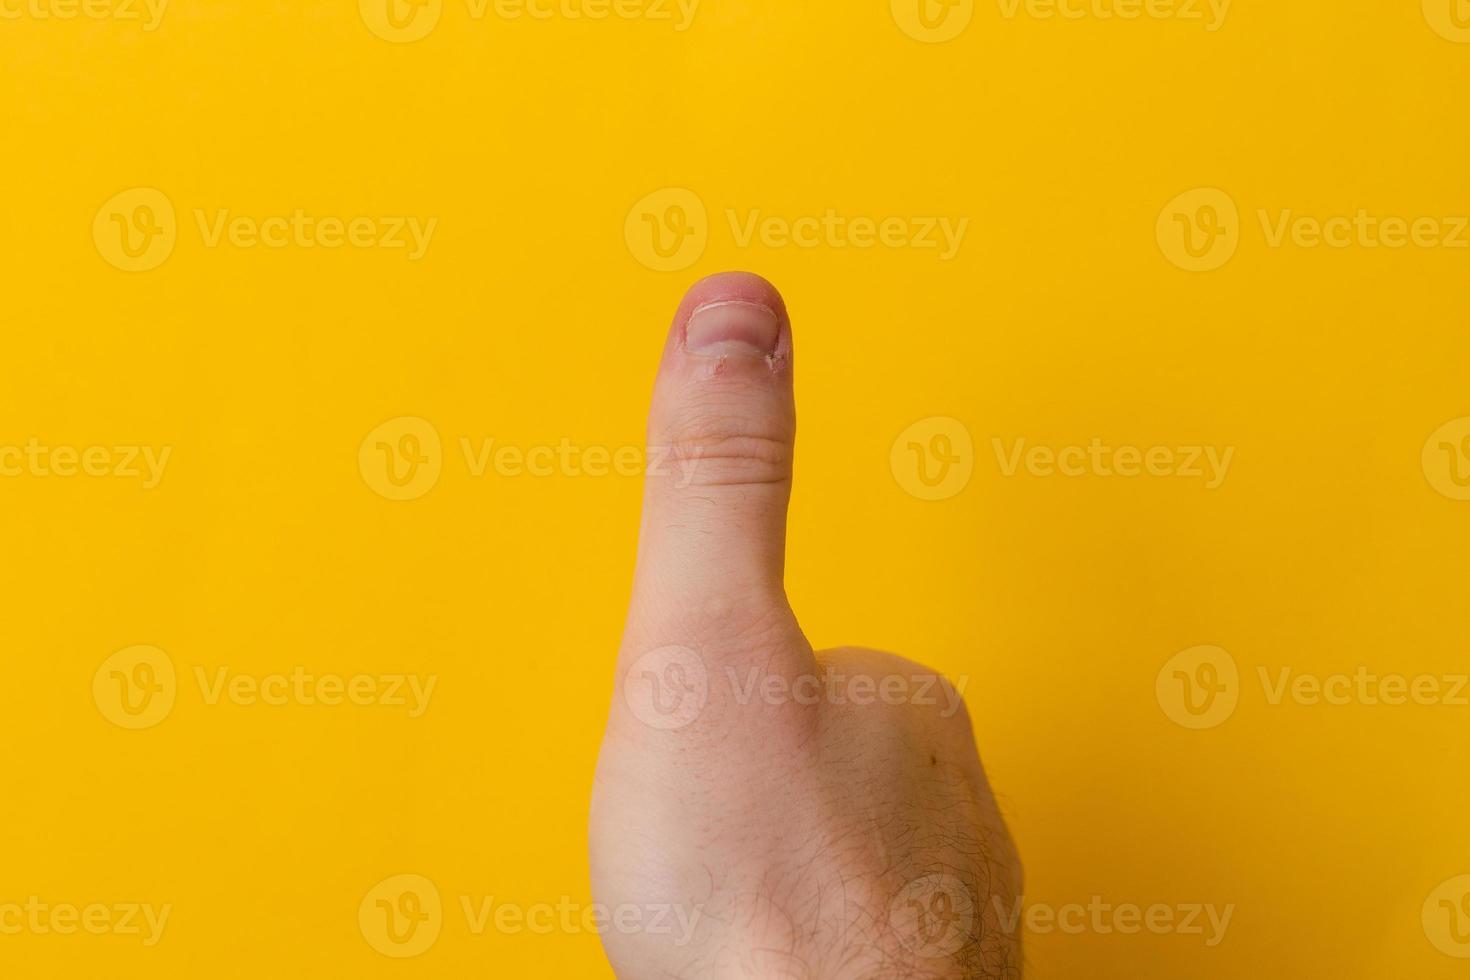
<point x="762" y="809"/>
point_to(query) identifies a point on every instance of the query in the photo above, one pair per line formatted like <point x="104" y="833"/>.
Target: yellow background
<point x="530" y="320"/>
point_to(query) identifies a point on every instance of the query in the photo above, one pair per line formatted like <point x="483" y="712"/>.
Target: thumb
<point x="721" y="432"/>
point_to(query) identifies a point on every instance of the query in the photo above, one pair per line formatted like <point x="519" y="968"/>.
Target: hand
<point x="762" y="810"/>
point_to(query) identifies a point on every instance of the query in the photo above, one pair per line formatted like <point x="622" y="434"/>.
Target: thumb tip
<point x="733" y="307"/>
